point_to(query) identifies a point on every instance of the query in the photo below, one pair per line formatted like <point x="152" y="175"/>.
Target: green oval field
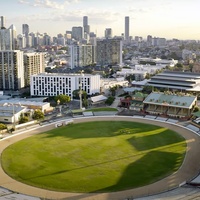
<point x="101" y="156"/>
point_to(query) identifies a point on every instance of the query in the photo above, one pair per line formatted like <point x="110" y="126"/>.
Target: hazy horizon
<point x="159" y="18"/>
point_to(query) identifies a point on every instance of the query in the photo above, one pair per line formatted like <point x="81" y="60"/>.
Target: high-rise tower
<point x="3" y="26"/>
<point x="86" y="27"/>
<point x="108" y="33"/>
<point x="126" y="28"/>
<point x="25" y="29"/>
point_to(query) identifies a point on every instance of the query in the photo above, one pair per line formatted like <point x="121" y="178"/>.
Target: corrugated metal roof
<point x="170" y="100"/>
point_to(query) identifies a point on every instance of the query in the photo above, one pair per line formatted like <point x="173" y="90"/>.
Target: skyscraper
<point x="109" y="51"/>
<point x="77" y="33"/>
<point x="34" y="63"/>
<point x="86" y="27"/>
<point x="8" y="38"/>
<point x="85" y="21"/>
<point x="25" y="31"/>
<point x="82" y="55"/>
<point x="3" y="22"/>
<point x="11" y="70"/>
<point x="126" y="28"/>
<point x="108" y="33"/>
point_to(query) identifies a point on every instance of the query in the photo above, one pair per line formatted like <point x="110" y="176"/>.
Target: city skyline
<point x="159" y="18"/>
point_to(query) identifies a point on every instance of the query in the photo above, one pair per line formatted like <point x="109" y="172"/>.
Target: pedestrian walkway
<point x="183" y="193"/>
<point x="116" y="102"/>
<point x="7" y="194"/>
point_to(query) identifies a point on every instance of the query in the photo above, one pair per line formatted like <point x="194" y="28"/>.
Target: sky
<point x="160" y="18"/>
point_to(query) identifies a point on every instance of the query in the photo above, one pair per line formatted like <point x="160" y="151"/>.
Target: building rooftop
<point x="176" y="80"/>
<point x="62" y="74"/>
<point x="19" y="102"/>
<point x="172" y="100"/>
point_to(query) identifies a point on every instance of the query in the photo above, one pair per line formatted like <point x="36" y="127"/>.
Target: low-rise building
<point x="106" y="84"/>
<point x="46" y="84"/>
<point x="10" y="113"/>
<point x="29" y="104"/>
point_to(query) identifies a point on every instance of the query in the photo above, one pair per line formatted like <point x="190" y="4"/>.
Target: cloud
<point x="48" y="3"/>
<point x="76" y="16"/>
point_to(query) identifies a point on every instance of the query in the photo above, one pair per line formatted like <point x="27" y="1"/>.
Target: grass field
<point x="98" y="156"/>
<point x="101" y="109"/>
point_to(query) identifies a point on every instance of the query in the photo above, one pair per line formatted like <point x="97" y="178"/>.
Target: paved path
<point x="188" y="170"/>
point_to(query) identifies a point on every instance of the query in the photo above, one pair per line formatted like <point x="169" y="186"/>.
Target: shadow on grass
<point x="131" y="177"/>
<point x="136" y="174"/>
<point x="98" y="129"/>
<point x="141" y="173"/>
<point x="153" y="141"/>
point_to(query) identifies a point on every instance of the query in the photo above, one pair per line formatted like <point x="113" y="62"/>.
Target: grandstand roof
<point x="176" y="80"/>
<point x="172" y="100"/>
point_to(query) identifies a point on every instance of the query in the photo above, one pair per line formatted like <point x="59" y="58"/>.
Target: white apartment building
<point x="55" y="84"/>
<point x="34" y="63"/>
<point x="81" y="55"/>
<point x="109" y="51"/>
<point x="11" y="70"/>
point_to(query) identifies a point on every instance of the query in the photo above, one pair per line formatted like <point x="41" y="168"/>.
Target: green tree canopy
<point x="2" y="126"/>
<point x="23" y="119"/>
<point x="113" y="89"/>
<point x="179" y="65"/>
<point x="38" y="115"/>
<point x="76" y="93"/>
<point x="196" y="109"/>
<point x="63" y="98"/>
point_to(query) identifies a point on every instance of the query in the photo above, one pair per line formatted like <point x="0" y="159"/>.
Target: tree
<point x="148" y="76"/>
<point x="23" y="119"/>
<point x="147" y="89"/>
<point x="38" y="115"/>
<point x="113" y="90"/>
<point x="76" y="94"/>
<point x="196" y="109"/>
<point x="88" y="71"/>
<point x="2" y="126"/>
<point x="179" y="66"/>
<point x="85" y="101"/>
<point x="130" y="77"/>
<point x="110" y="100"/>
<point x="63" y="98"/>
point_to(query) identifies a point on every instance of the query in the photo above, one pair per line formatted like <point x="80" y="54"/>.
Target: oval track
<point x="188" y="170"/>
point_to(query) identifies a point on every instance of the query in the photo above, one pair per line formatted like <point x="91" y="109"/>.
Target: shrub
<point x="110" y="100"/>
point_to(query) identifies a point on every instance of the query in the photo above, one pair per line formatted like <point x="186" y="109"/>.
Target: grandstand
<point x="170" y="104"/>
<point x="182" y="81"/>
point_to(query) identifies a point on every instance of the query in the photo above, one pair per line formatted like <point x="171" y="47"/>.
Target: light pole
<point x="13" y="112"/>
<point x="60" y="107"/>
<point x="80" y="89"/>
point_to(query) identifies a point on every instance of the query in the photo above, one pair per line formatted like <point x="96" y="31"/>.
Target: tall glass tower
<point x="126" y="28"/>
